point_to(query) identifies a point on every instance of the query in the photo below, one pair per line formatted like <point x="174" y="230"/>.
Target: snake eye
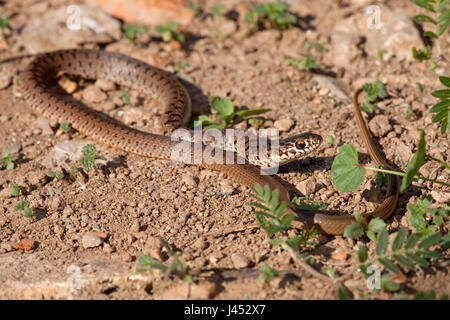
<point x="300" y="144"/>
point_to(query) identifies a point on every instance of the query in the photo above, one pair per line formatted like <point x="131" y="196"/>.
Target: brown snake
<point x="163" y="87"/>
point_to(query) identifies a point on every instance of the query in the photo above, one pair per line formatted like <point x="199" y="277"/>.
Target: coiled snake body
<point x="165" y="88"/>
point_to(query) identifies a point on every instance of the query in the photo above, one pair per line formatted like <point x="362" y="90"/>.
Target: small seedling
<point x="419" y="86"/>
<point x="408" y="113"/>
<point x="356" y="229"/>
<point x="375" y="91"/>
<point x="266" y="274"/>
<point x="316" y="46"/>
<point x="314" y="206"/>
<point x="428" y="220"/>
<point x="442" y="107"/>
<point x="125" y="96"/>
<point x="421" y="54"/>
<point x="273" y="15"/>
<point x="89" y="157"/>
<point x="4" y="21"/>
<point x="131" y="31"/>
<point x="15" y="190"/>
<point x="329" y="140"/>
<point x="169" y="32"/>
<point x="65" y="126"/>
<point x="368" y="108"/>
<point x="176" y="266"/>
<point x="217" y="9"/>
<point x="24" y="207"/>
<point x="225" y="111"/>
<point x="380" y="180"/>
<point x="180" y="67"/>
<point x="55" y="174"/>
<point x="308" y="63"/>
<point x="7" y="160"/>
<point x="380" y="54"/>
<point x="195" y="8"/>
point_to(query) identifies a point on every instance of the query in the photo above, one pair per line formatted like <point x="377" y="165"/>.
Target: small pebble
<point x="91" y="241"/>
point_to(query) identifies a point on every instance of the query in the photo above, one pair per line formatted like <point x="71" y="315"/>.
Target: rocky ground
<point x="90" y="230"/>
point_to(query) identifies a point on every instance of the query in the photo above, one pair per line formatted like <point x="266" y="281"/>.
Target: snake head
<point x="295" y="147"/>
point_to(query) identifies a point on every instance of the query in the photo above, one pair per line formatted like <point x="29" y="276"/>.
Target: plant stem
<point x="439" y="161"/>
<point x="403" y="174"/>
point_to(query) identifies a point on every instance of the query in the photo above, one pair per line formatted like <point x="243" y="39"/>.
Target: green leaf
<point x="224" y="107"/>
<point x="414" y="164"/>
<point x="404" y="261"/>
<point x="376" y="225"/>
<point x="429" y="241"/>
<point x="258" y="189"/>
<point x="345" y="173"/>
<point x="273" y="202"/>
<point x="280" y="209"/>
<point x="441" y="106"/>
<point x="26" y="212"/>
<point x="423" y="18"/>
<point x="389" y="285"/>
<point x="389" y="265"/>
<point x="375" y="91"/>
<point x="330" y="140"/>
<point x="368" y="107"/>
<point x="412" y="240"/>
<point x="430" y="34"/>
<point x="441" y="5"/>
<point x="444" y="93"/>
<point x="399" y="239"/>
<point x="430" y="254"/>
<point x="362" y="254"/>
<point x="444" y="27"/>
<point x="294" y="242"/>
<point x="445" y="15"/>
<point x="445" y="80"/>
<point x="425" y="5"/>
<point x="15" y="190"/>
<point x="317" y="46"/>
<point x="382" y="242"/>
<point x="354" y="231"/>
<point x="415" y="257"/>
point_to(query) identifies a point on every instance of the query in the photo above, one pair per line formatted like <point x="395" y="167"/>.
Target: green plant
<point x="125" y="96"/>
<point x="440" y="17"/>
<point x="347" y="174"/>
<point x="314" y="206"/>
<point x="308" y="63"/>
<point x="375" y="91"/>
<point x="442" y="107"/>
<point x="55" y="174"/>
<point x="408" y="112"/>
<point x="24" y="207"/>
<point x="7" y="160"/>
<point x="169" y="32"/>
<point x="405" y="251"/>
<point x="266" y="274"/>
<point x="428" y="220"/>
<point x="380" y="54"/>
<point x="180" y="66"/>
<point x="217" y="9"/>
<point x="15" y="190"/>
<point x="357" y="228"/>
<point x="225" y="111"/>
<point x="330" y="140"/>
<point x="421" y="54"/>
<point x="131" y="31"/>
<point x="419" y="86"/>
<point x="317" y="46"/>
<point x="195" y="8"/>
<point x="431" y="295"/>
<point x="4" y="21"/>
<point x="274" y="15"/>
<point x="65" y="126"/>
<point x="176" y="266"/>
<point x="89" y="157"/>
<point x="273" y="220"/>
